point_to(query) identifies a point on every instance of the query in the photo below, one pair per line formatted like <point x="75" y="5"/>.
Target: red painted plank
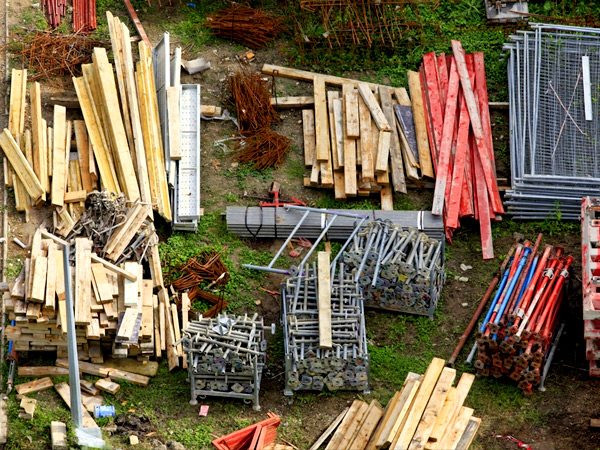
<point x="482" y="150"/>
<point x="443" y="72"/>
<point x="136" y="22"/>
<point x="484" y="107"/>
<point x="446" y="144"/>
<point x="485" y="225"/>
<point x="460" y="159"/>
<point x="433" y="92"/>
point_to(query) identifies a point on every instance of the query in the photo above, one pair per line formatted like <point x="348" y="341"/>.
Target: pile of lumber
<point x="359" y="140"/>
<point x="90" y="395"/>
<point x="116" y="308"/>
<point x="428" y="413"/>
<point x="458" y="124"/>
<point x="254" y="437"/>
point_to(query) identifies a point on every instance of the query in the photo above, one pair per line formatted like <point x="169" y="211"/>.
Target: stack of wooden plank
<point x="427" y="413"/>
<point x="115" y="308"/>
<point x="254" y="437"/>
<point x="361" y="140"/>
<point x="459" y="128"/>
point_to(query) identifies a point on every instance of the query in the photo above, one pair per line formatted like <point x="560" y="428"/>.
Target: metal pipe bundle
<point x="225" y="356"/>
<point x="308" y="367"/>
<point x="521" y="323"/>
<point x="271" y="222"/>
<point x="554" y="139"/>
<point x="397" y="269"/>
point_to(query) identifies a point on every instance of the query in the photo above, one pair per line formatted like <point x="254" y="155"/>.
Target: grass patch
<point x="13" y="268"/>
<point x="190" y="24"/>
<point x="243" y="172"/>
<point x="293" y="167"/>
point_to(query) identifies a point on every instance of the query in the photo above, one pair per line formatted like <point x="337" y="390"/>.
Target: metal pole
<point x="76" y="412"/>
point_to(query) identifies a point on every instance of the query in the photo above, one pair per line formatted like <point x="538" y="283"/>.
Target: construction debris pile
<point x="225" y="357"/>
<point x="261" y="146"/>
<point x="554" y="139"/>
<point x="245" y="25"/>
<point x="522" y="322"/>
<point x="102" y="196"/>
<point x="399" y="270"/>
<point x="590" y="257"/>
<point x="49" y="54"/>
<point x="324" y="336"/>
<point x="460" y="136"/>
<point x="428" y="412"/>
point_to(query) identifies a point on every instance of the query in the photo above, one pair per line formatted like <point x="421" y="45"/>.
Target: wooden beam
<point x="59" y="157"/>
<point x="136" y="22"/>
<point x="324" y="291"/>
<point x="321" y="120"/>
<point x="41" y="371"/>
<point x="292" y="102"/>
<point x="376" y="112"/>
<point x="366" y="143"/>
<point x="308" y="133"/>
<point x="34" y="386"/>
<point x="351" y="107"/>
<point x="174" y="122"/>
<point x="332" y="426"/>
<point x="395" y="152"/>
<point x="83" y="281"/>
<point x="21" y="167"/>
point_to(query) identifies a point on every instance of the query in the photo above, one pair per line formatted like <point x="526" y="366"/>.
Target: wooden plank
<point x="353" y="426"/>
<point x="383" y="152"/>
<point x="434" y="103"/>
<point x="338" y="116"/>
<point x="83" y="150"/>
<point x="157" y="339"/>
<point x="41" y="371"/>
<point x="308" y="132"/>
<point x="485" y="153"/>
<point x="147" y="328"/>
<point x="350" y="180"/>
<point x="131" y="288"/>
<point x="292" y="102"/>
<point x="366" y="142"/>
<point x="395" y="152"/>
<point x="172" y="359"/>
<point x="434" y="406"/>
<point x="107" y="385"/>
<point x="456" y="429"/>
<point x="332" y="426"/>
<point x="96" y="137"/>
<point x="126" y="232"/>
<point x="38" y="385"/>
<point x="91" y="401"/>
<point x="21" y="167"/>
<point x="445" y="151"/>
<point x="174" y="122"/>
<point x="116" y="130"/>
<point x="405" y="435"/>
<point x="17" y="101"/>
<point x="460" y="167"/>
<point x="441" y="426"/>
<point x="176" y="329"/>
<point x="116" y="269"/>
<point x="321" y="121"/>
<point x="87" y="387"/>
<point x="38" y="134"/>
<point x="135" y="112"/>
<point x="75" y="196"/>
<point x="303" y="75"/>
<point x="38" y="285"/>
<point x="101" y="371"/>
<point x="59" y="158"/>
<point x="58" y="435"/>
<point x="162" y="305"/>
<point x="444" y="417"/>
<point x="28" y="408"/>
<point x="103" y="287"/>
<point x="469" y="434"/>
<point x="324" y="291"/>
<point x="376" y="112"/>
<point x="64" y="391"/>
<point x="83" y="281"/>
<point x="332" y="96"/>
<point x="334" y="443"/>
<point x="372" y="417"/>
<point x="128" y="322"/>
<point x="352" y="127"/>
<point x="387" y="198"/>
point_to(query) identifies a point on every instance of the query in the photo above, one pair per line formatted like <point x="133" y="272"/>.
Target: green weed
<point x="244" y="172"/>
<point x="190" y="25"/>
<point x="294" y="168"/>
<point x="13" y="268"/>
<point x="34" y="18"/>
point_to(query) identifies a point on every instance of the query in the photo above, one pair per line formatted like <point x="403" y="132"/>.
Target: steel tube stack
<point x="398" y="270"/>
<point x="522" y="321"/>
<point x="307" y="366"/>
<point x="225" y="356"/>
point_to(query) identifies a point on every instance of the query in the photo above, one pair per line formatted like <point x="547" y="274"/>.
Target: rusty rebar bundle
<point x="47" y="54"/>
<point x="219" y="303"/>
<point x="264" y="149"/>
<point x="248" y="26"/>
<point x="252" y="101"/>
<point x="207" y="266"/>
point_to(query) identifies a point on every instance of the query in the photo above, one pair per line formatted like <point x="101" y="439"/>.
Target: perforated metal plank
<point x="161" y="58"/>
<point x="188" y="170"/>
